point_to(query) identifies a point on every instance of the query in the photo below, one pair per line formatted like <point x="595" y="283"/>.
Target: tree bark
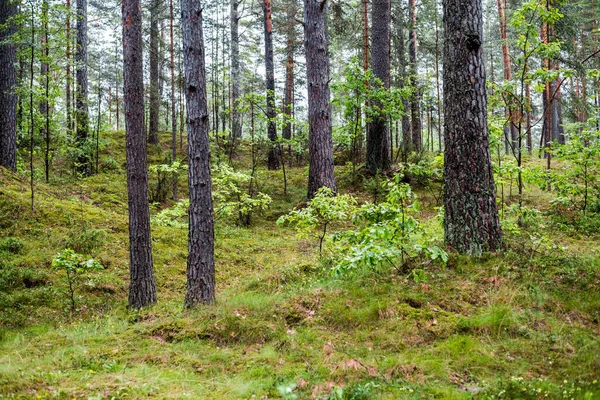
<point x="154" y="74"/>
<point x="81" y="58"/>
<point x="173" y="110"/>
<point x="44" y="104"/>
<point x="236" y="118"/>
<point x="200" y="264"/>
<point x="316" y="44"/>
<point x="68" y="79"/>
<point x="378" y="144"/>
<point x="415" y="113"/>
<point x="8" y="81"/>
<point x="288" y="100"/>
<point x="471" y="222"/>
<point x="142" y="286"/>
<point x="273" y="158"/>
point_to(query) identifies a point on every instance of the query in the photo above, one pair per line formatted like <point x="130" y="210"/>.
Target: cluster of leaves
<point x="76" y="268"/>
<point x="160" y="177"/>
<point x="360" y="91"/>
<point x="230" y="194"/>
<point x="325" y="209"/>
<point x="175" y="216"/>
<point x="382" y="233"/>
<point x="579" y="185"/>
<point x="234" y="194"/>
<point x="387" y="232"/>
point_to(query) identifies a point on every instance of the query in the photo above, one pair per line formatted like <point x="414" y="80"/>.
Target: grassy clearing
<point x="523" y="323"/>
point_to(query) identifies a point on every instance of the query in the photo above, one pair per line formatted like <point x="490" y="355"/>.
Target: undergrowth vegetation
<point x="383" y="311"/>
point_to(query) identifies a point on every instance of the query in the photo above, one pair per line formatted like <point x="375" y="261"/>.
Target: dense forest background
<point x="319" y="199"/>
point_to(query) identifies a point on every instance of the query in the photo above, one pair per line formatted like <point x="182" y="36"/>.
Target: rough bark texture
<point x="320" y="141"/>
<point x="288" y="100"/>
<point x="471" y="217"/>
<point x="273" y="159"/>
<point x="142" y="287"/>
<point x="8" y="80"/>
<point x="378" y="142"/>
<point x="236" y="118"/>
<point x="154" y="75"/>
<point x="68" y="67"/>
<point x="81" y="103"/>
<point x="415" y="113"/>
<point x="201" y="263"/>
<point x="173" y="111"/>
<point x="44" y="106"/>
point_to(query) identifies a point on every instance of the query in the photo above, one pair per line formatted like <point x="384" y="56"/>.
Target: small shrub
<point x="11" y="245"/>
<point x="75" y="267"/>
<point x="323" y="210"/>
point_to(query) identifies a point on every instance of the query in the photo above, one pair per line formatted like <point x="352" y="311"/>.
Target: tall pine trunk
<point x="8" y="81"/>
<point x="154" y="74"/>
<point x="288" y="96"/>
<point x="200" y="263"/>
<point x="316" y="44"/>
<point x="173" y="111"/>
<point x="471" y="222"/>
<point x="68" y="78"/>
<point x="273" y="158"/>
<point x="81" y="58"/>
<point x="44" y="104"/>
<point x="378" y="144"/>
<point x="236" y="118"/>
<point x="142" y="286"/>
<point x="415" y="113"/>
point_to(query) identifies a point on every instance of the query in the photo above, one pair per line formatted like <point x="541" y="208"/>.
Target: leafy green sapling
<point x="75" y="266"/>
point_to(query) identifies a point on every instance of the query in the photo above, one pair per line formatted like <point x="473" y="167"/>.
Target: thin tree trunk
<point x="68" y="70"/>
<point x="236" y="128"/>
<point x="44" y="104"/>
<point x="288" y="102"/>
<point x="471" y="222"/>
<point x="510" y="128"/>
<point x="316" y="44"/>
<point x="378" y="146"/>
<point x="173" y="113"/>
<point x="81" y="58"/>
<point x="142" y="286"/>
<point x="8" y="81"/>
<point x="273" y="158"/>
<point x="200" y="265"/>
<point x="417" y="139"/>
<point x="154" y="106"/>
<point x="437" y="79"/>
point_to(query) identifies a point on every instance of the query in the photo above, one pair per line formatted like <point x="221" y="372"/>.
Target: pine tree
<point x="8" y="81"/>
<point x="200" y="263"/>
<point x="378" y="144"/>
<point x="142" y="287"/>
<point x="316" y="44"/>
<point x="471" y="222"/>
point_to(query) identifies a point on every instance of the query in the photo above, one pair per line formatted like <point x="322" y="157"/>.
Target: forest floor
<point x="522" y="323"/>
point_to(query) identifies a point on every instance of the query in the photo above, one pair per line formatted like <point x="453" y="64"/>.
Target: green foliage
<point x="11" y="245"/>
<point x="175" y="216"/>
<point x="76" y="268"/>
<point x="87" y="239"/>
<point x="386" y="233"/>
<point x="325" y="209"/>
<point x="232" y="198"/>
<point x="579" y="184"/>
<point x="161" y="178"/>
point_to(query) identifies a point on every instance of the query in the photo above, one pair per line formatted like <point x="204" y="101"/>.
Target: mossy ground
<point x="523" y="323"/>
